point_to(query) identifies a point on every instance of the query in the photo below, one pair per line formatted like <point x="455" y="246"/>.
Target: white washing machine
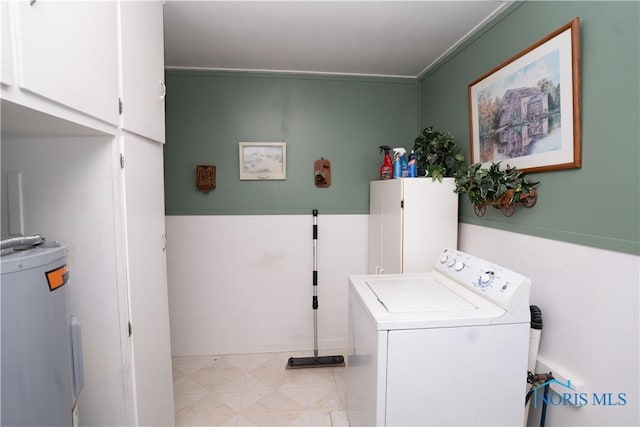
<point x="445" y="348"/>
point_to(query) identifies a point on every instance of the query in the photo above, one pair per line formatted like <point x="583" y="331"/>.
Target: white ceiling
<point x="382" y="38"/>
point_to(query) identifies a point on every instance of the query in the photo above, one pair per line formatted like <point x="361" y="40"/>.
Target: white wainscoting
<point x="589" y="300"/>
<point x="243" y="283"/>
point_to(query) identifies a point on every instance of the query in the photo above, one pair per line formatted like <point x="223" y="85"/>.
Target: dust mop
<point x="315" y="361"/>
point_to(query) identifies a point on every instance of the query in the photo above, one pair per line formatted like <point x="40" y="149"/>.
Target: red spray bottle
<point x="386" y="170"/>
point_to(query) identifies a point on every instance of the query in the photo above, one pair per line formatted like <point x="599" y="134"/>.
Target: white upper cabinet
<point x="143" y="88"/>
<point x="68" y="53"/>
<point x="6" y="64"/>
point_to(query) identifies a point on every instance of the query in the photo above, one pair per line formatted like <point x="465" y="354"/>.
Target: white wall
<point x="70" y="195"/>
<point x="589" y="300"/>
<point x="244" y="283"/>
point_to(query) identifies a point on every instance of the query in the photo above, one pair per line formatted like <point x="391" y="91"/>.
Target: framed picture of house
<point x="525" y="112"/>
<point x="263" y="160"/>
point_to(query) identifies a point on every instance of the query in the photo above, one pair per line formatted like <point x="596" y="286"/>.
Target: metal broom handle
<point x="315" y="282"/>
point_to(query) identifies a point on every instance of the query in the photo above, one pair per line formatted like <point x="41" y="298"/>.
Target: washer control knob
<point x="486" y="277"/>
<point x="443" y="258"/>
<point x="451" y="262"/>
<point x="459" y="266"/>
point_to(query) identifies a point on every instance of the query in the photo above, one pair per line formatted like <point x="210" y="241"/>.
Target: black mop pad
<point x="315" y="362"/>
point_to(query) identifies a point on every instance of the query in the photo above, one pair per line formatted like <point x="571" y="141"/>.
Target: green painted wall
<point x="597" y="205"/>
<point x="339" y="118"/>
<point x="345" y="119"/>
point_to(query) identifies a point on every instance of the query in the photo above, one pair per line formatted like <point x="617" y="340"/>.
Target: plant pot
<point x="506" y="204"/>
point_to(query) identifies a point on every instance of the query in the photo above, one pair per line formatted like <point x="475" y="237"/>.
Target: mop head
<point x="315" y="362"/>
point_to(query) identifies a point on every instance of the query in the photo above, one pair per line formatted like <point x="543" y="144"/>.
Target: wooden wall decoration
<point x="322" y="173"/>
<point x="206" y="177"/>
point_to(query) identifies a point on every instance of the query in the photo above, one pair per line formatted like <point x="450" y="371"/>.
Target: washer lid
<point x="417" y="295"/>
<point x="417" y="301"/>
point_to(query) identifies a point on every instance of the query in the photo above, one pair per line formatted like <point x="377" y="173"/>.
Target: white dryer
<point x="445" y="348"/>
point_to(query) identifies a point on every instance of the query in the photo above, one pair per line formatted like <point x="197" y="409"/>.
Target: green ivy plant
<point x="437" y="154"/>
<point x="489" y="184"/>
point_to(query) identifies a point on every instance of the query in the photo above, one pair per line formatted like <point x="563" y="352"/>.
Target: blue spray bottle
<point x="413" y="165"/>
<point x="398" y="155"/>
<point x="404" y="165"/>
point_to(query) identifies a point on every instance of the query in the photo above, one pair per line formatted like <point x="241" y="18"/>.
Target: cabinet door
<point x="6" y="64"/>
<point x="392" y="248"/>
<point x="430" y="222"/>
<point x="375" y="227"/>
<point x="147" y="274"/>
<point x="68" y="53"/>
<point x="390" y="194"/>
<point x="143" y="87"/>
<point x="420" y="232"/>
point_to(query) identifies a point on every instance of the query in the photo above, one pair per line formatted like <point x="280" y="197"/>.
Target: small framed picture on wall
<point x="263" y="160"/>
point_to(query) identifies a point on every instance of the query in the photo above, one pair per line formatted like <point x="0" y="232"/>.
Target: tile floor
<point x="255" y="390"/>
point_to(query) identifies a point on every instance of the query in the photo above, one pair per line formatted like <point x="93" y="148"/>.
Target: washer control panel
<point x="500" y="285"/>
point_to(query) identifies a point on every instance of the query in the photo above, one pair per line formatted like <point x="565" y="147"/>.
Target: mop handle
<point x="315" y="259"/>
<point x="315" y="282"/>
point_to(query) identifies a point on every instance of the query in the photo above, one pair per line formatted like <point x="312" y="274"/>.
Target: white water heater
<point x="41" y="342"/>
